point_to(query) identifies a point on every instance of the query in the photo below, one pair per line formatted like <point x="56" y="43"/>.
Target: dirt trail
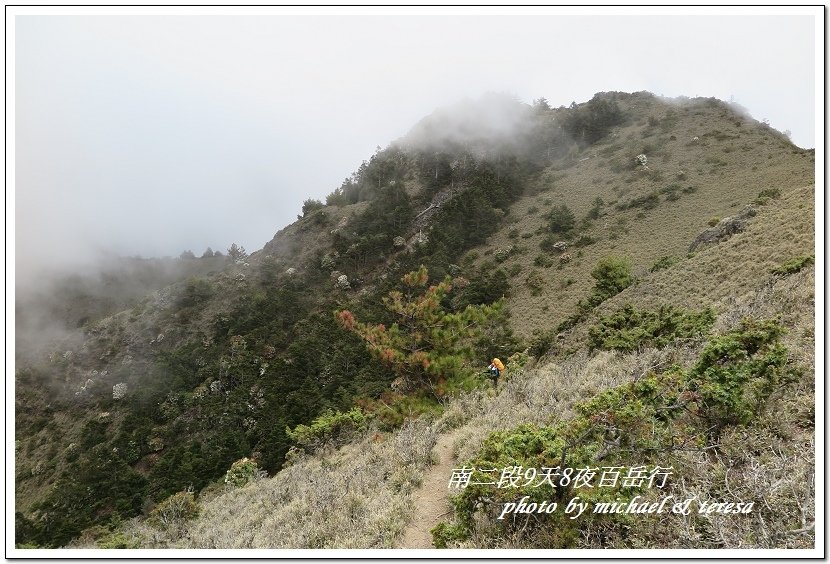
<point x="432" y="498"/>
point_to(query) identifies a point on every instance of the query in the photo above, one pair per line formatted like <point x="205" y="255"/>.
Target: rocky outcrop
<point x="725" y="228"/>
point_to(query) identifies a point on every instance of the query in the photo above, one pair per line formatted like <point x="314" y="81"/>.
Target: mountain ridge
<point x="253" y="349"/>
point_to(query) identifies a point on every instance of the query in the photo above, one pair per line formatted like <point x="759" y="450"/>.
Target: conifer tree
<point x="426" y="343"/>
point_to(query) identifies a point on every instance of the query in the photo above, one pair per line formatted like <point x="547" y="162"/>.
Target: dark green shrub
<point x="310" y="206"/>
<point x="671" y="191"/>
<point x="572" y="320"/>
<point x="612" y="275"/>
<point x="634" y="424"/>
<point x="502" y="255"/>
<point x="794" y="265"/>
<point x="629" y="329"/>
<point x="647" y="202"/>
<point x="561" y="220"/>
<point x="444" y="534"/>
<point x="590" y="122"/>
<point x="584" y="241"/>
<point x="737" y="372"/>
<point x="542" y="342"/>
<point x="663" y="263"/>
<point x="196" y="291"/>
<point x="547" y="243"/>
<point x="595" y="210"/>
<point x="535" y="282"/>
<point x="764" y="196"/>
<point x="331" y="427"/>
<point x="543" y="261"/>
<point x="488" y="286"/>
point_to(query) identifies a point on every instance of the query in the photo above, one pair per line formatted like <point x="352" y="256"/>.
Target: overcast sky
<point x="154" y="134"/>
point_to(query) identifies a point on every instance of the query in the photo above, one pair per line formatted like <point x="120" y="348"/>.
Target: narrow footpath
<point x="432" y="497"/>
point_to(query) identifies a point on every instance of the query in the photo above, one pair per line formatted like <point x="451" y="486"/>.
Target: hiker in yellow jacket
<point x="495" y="369"/>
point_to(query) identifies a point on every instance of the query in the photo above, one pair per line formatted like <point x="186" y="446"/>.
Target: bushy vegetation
<point x="174" y="511"/>
<point x="543" y="261"/>
<point x="425" y="344"/>
<point x="629" y="329"/>
<point x="470" y="217"/>
<point x="590" y="122"/>
<point x="369" y="238"/>
<point x="612" y="275"/>
<point x="487" y="286"/>
<point x="794" y="265"/>
<point x="242" y="472"/>
<point x="311" y="205"/>
<point x="596" y="208"/>
<point x="672" y="191"/>
<point x="561" y="220"/>
<point x="663" y="263"/>
<point x="196" y="291"/>
<point x="274" y="358"/>
<point x="195" y="409"/>
<point x="542" y="342"/>
<point x="386" y="167"/>
<point x="547" y="243"/>
<point x="118" y="540"/>
<point x="629" y="425"/>
<point x="332" y="427"/>
<point x="764" y="196"/>
<point x="647" y="202"/>
<point x="100" y="486"/>
<point x="252" y="361"/>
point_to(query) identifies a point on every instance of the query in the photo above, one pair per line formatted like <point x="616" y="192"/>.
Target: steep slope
<point x="705" y="162"/>
<point x="215" y="369"/>
<point x="769" y="461"/>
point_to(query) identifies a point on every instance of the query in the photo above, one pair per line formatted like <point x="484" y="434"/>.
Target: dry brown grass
<point x="354" y="497"/>
<point x="761" y="159"/>
<point x="360" y="495"/>
<point x="727" y="276"/>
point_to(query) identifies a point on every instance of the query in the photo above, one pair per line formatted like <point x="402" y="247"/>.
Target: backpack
<point x="498" y="364"/>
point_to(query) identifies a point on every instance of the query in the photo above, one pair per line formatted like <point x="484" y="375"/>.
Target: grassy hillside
<point x="164" y="397"/>
<point x="691" y="182"/>
<point x="769" y="461"/>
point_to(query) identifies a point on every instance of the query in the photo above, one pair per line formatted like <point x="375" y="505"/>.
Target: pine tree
<point x="426" y="344"/>
<point x="237" y="253"/>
